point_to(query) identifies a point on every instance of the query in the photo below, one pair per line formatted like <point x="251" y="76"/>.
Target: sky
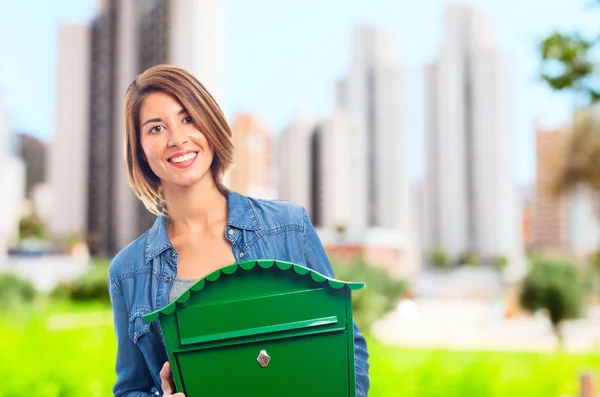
<point x="283" y="57"/>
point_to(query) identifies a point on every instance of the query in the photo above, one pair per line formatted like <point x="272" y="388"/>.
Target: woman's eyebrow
<point x="151" y="121"/>
<point x="155" y="120"/>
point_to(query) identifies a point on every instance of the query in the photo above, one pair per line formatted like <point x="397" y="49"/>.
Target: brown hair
<point x="203" y="109"/>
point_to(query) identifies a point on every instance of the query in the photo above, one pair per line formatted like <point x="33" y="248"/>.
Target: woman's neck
<point x="194" y="208"/>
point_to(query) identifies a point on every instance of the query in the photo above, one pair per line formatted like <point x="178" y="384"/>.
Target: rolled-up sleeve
<point x="316" y="258"/>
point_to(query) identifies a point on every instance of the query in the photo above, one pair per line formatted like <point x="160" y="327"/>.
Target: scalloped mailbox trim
<point x="249" y="265"/>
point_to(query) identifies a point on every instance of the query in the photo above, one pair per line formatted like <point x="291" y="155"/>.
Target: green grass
<point x="68" y="350"/>
<point x="64" y="352"/>
<point x="446" y="373"/>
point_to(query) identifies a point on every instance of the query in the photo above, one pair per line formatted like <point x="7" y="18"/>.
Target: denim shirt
<point x="142" y="274"/>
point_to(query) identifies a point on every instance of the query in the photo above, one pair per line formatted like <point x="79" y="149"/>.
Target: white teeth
<point x="185" y="157"/>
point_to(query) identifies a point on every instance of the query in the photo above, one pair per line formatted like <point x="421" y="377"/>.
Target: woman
<point x="177" y="149"/>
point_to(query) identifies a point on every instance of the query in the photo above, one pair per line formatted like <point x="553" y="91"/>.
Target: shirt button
<point x="231" y="232"/>
<point x="168" y="279"/>
<point x="242" y="254"/>
<point x="172" y="254"/>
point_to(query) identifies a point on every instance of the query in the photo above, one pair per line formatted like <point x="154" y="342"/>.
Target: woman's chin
<point x="185" y="182"/>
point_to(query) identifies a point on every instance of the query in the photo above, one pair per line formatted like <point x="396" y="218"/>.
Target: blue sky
<point x="283" y="57"/>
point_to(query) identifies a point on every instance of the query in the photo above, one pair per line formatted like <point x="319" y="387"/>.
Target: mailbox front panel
<point x="301" y="366"/>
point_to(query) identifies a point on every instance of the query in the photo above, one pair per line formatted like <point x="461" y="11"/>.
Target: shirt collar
<point x="240" y="215"/>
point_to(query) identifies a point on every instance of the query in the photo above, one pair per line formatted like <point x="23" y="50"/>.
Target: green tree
<point x="568" y="65"/>
<point x="557" y="288"/>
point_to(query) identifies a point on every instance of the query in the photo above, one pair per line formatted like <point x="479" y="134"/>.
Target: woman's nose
<point x="177" y="136"/>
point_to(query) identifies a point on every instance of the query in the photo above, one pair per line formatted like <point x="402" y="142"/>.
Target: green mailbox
<point x="261" y="328"/>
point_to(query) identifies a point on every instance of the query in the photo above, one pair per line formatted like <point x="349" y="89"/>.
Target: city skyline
<point x="254" y="85"/>
<point x="349" y="169"/>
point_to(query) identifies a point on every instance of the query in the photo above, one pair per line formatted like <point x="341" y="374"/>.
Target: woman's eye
<point x="156" y="129"/>
<point x="188" y="120"/>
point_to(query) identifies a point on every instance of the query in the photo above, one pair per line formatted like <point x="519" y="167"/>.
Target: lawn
<point x="447" y="373"/>
<point x="68" y="350"/>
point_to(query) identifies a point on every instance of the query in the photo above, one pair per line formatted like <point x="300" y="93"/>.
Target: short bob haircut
<point x="205" y="113"/>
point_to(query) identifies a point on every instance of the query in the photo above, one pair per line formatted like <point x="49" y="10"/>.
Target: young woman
<point x="177" y="148"/>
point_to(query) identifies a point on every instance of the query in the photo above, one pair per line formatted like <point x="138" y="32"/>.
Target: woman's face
<point x="175" y="149"/>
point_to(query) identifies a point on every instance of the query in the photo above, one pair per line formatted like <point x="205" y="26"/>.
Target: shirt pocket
<point x="137" y="326"/>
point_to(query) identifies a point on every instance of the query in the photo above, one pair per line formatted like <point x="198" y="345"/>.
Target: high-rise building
<point x="33" y="153"/>
<point x="471" y="197"/>
<point x="583" y="222"/>
<point x="12" y="172"/>
<point x="127" y="37"/>
<point x="549" y="226"/>
<point x="68" y="156"/>
<point x="252" y="172"/>
<point x="196" y="40"/>
<point x="561" y="221"/>
<point x="372" y="95"/>
<point x="314" y="161"/>
<point x="294" y="160"/>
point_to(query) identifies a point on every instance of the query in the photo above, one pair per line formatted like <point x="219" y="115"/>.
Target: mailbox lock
<point x="263" y="358"/>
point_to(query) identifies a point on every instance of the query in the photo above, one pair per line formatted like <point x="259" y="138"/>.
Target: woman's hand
<point x="168" y="385"/>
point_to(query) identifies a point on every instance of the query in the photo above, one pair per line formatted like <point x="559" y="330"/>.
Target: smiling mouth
<point x="183" y="159"/>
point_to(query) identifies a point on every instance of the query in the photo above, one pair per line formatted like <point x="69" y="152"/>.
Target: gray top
<point x="180" y="285"/>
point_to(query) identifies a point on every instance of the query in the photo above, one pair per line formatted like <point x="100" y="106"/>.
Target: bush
<point x="31" y="227"/>
<point x="15" y="291"/>
<point x="380" y="295"/>
<point x="555" y="287"/>
<point x="500" y="262"/>
<point x="438" y="259"/>
<point x="91" y="286"/>
<point x="468" y="259"/>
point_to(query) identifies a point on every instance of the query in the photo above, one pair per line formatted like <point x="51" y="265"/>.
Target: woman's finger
<point x="165" y="377"/>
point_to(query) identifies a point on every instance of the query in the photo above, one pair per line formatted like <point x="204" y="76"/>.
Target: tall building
<point x="315" y="169"/>
<point x="294" y="160"/>
<point x="252" y="172"/>
<point x="549" y="226"/>
<point x="561" y="221"/>
<point x="127" y="37"/>
<point x="33" y="153"/>
<point x="12" y="173"/>
<point x="471" y="197"/>
<point x="68" y="155"/>
<point x="583" y="222"/>
<point x="196" y="40"/>
<point x="372" y="95"/>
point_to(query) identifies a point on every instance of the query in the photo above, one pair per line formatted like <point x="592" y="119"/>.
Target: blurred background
<point x="447" y="152"/>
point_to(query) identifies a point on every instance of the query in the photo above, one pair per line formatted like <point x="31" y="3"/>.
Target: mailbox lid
<point x="261" y="316"/>
<point x="222" y="276"/>
<point x="312" y="365"/>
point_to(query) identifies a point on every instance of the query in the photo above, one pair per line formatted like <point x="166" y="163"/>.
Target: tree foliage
<point x="569" y="64"/>
<point x="557" y="288"/>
